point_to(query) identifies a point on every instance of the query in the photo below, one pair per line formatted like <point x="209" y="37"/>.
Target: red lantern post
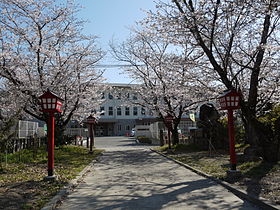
<point x="230" y="100"/>
<point x="91" y="121"/>
<point x="50" y="103"/>
<point x="169" y="120"/>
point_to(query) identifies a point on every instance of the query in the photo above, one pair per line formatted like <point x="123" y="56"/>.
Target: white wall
<point x="143" y="130"/>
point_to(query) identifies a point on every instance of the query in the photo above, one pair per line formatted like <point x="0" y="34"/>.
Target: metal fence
<point x="14" y="145"/>
<point x="28" y="135"/>
<point x="26" y="129"/>
<point x="76" y="132"/>
<point x="25" y="135"/>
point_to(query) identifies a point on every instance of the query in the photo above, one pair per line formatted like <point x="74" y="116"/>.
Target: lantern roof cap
<point x="169" y="115"/>
<point x="229" y="93"/>
<point x="50" y="94"/>
<point x="91" y="117"/>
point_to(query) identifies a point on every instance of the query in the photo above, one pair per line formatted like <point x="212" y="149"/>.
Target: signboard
<point x="192" y="117"/>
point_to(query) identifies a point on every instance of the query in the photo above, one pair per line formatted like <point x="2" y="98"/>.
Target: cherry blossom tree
<point x="10" y="111"/>
<point x="42" y="48"/>
<point x="239" y="41"/>
<point x="167" y="80"/>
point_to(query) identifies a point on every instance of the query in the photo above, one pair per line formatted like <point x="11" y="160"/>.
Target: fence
<point x="15" y="145"/>
<point x="26" y="129"/>
<point x="26" y="135"/>
<point x="76" y="132"/>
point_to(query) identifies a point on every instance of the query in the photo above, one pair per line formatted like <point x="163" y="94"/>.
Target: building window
<point x="110" y="111"/>
<point x="127" y="111"/>
<point x="110" y="96"/>
<point x="143" y="111"/>
<point x="135" y="111"/>
<point x="127" y="95"/>
<point x="103" y="96"/>
<point x="127" y="128"/>
<point x="102" y="109"/>
<point x="119" y="96"/>
<point x="119" y="111"/>
<point x="119" y="127"/>
<point x="134" y="97"/>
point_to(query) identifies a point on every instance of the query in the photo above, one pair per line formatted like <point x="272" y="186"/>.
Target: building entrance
<point x="104" y="129"/>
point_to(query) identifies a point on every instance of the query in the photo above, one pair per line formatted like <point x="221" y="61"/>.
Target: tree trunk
<point x="175" y="136"/>
<point x="59" y="134"/>
<point x="277" y="137"/>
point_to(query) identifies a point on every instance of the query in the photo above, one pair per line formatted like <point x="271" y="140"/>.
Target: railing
<point x="15" y="145"/>
<point x="76" y="132"/>
<point x="27" y="129"/>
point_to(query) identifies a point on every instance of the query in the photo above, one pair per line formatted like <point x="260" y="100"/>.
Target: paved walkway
<point x="137" y="178"/>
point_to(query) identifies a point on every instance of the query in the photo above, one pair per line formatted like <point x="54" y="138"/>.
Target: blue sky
<point x="111" y="19"/>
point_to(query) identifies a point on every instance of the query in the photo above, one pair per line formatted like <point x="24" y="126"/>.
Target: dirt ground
<point x="17" y="193"/>
<point x="259" y="179"/>
<point x="267" y="187"/>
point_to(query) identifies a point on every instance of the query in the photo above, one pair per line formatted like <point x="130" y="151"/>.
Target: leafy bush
<point x="181" y="148"/>
<point x="270" y="117"/>
<point x="239" y="129"/>
<point x="186" y="148"/>
<point x="144" y="139"/>
<point x="241" y="147"/>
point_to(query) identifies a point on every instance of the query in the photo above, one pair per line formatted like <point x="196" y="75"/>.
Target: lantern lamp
<point x="169" y="120"/>
<point x="50" y="102"/>
<point x="91" y="121"/>
<point x="230" y="99"/>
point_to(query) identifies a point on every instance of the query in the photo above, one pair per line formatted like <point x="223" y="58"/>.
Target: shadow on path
<point x="158" y="199"/>
<point x="141" y="179"/>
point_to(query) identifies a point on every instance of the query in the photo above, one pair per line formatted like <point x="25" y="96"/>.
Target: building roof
<point x="121" y="84"/>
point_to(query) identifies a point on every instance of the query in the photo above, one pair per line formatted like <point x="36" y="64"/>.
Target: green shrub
<point x="270" y="117"/>
<point x="144" y="139"/>
<point x="186" y="148"/>
<point x="181" y="148"/>
<point x="241" y="147"/>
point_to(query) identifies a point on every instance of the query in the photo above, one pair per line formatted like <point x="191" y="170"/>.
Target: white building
<point x="119" y="117"/>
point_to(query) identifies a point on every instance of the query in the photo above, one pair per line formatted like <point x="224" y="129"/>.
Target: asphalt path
<point x="117" y="143"/>
<point x="131" y="176"/>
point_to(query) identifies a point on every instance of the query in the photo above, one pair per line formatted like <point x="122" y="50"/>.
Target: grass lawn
<point x="22" y="173"/>
<point x="259" y="178"/>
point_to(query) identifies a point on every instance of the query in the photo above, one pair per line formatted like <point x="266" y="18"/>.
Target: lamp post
<point x="229" y="101"/>
<point x="50" y="103"/>
<point x="91" y="120"/>
<point x="169" y="120"/>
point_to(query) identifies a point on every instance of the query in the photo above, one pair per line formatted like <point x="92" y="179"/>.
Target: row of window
<point x="119" y="96"/>
<point x="127" y="127"/>
<point x="126" y="111"/>
<point x="120" y="128"/>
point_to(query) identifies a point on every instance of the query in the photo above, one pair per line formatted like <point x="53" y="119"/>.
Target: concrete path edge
<point x="68" y="188"/>
<point x="260" y="202"/>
